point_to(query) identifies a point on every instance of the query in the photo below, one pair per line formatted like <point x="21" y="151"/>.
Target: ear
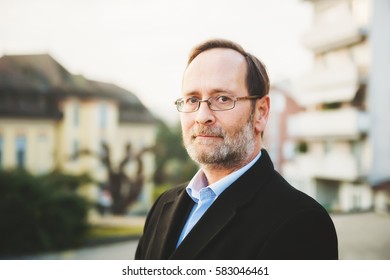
<point x="261" y="114"/>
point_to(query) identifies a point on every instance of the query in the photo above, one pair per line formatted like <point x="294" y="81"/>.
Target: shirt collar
<point x="199" y="181"/>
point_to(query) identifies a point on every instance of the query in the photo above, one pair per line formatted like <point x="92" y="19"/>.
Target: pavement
<point x="362" y="236"/>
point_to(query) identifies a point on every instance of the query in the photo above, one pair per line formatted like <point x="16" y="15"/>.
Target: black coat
<point x="260" y="216"/>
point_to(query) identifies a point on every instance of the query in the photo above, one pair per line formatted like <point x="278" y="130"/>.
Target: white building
<point x="336" y="164"/>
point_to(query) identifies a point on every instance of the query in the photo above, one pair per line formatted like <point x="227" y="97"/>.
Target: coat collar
<point x="221" y="212"/>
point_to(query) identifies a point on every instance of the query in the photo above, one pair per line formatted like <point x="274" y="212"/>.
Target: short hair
<point x="257" y="80"/>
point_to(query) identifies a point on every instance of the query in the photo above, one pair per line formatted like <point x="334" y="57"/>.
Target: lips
<point x="207" y="133"/>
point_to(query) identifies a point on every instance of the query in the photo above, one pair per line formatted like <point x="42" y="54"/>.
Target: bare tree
<point x="124" y="190"/>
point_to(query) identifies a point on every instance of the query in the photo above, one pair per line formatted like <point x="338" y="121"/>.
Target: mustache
<point x="211" y="131"/>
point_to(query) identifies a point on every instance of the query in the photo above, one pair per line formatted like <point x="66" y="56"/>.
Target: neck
<point x="214" y="172"/>
<point x="213" y="175"/>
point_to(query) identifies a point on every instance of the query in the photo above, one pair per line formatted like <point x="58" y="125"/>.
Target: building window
<point x="301" y="148"/>
<point x="76" y="114"/>
<point x="102" y="151"/>
<point x="328" y="147"/>
<point x="103" y="115"/>
<point x="289" y="149"/>
<point x="21" y="144"/>
<point x="43" y="162"/>
<point x="75" y="149"/>
<point x="1" y="151"/>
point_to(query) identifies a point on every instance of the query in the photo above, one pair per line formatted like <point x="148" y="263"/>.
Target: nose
<point x="204" y="115"/>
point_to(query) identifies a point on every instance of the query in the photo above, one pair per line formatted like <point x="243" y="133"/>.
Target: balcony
<point x="334" y="166"/>
<point x="338" y="83"/>
<point x="338" y="33"/>
<point x="345" y="123"/>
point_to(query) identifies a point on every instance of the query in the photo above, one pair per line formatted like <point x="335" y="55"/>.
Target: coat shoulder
<point x="289" y="195"/>
<point x="173" y="193"/>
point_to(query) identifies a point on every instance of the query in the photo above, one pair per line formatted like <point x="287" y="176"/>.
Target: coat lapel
<point x="215" y="219"/>
<point x="170" y="223"/>
<point x="223" y="210"/>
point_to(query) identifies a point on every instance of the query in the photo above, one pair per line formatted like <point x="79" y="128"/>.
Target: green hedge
<point x="40" y="214"/>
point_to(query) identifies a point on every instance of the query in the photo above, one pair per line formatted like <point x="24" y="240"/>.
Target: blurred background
<point x="89" y="135"/>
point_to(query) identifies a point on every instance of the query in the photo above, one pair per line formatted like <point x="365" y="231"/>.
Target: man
<point x="237" y="206"/>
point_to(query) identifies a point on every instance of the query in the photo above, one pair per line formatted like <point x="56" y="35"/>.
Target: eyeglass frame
<point x="235" y="99"/>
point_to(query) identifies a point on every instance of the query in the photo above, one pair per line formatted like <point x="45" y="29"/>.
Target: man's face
<point x="218" y="139"/>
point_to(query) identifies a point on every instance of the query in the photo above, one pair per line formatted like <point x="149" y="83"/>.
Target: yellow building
<point x="51" y="119"/>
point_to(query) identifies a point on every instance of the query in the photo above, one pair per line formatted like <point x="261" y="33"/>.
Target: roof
<point x="383" y="185"/>
<point x="32" y="85"/>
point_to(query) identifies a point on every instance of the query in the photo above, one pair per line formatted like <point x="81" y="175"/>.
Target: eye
<point x="192" y="100"/>
<point x="223" y="99"/>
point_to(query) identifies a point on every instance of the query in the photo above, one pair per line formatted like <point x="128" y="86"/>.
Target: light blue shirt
<point x="204" y="195"/>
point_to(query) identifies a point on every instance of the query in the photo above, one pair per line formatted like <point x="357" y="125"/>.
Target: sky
<point x="143" y="45"/>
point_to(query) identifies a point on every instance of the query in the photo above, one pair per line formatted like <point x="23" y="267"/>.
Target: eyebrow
<point x="211" y="92"/>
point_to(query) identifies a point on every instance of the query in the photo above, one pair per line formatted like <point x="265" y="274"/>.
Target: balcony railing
<point x="339" y="33"/>
<point x="338" y="83"/>
<point x="336" y="166"/>
<point x="346" y="123"/>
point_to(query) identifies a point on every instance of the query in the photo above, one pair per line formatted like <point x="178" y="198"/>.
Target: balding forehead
<point x="221" y="57"/>
<point x="215" y="69"/>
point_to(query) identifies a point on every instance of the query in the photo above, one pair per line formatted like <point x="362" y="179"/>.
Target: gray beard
<point x="232" y="153"/>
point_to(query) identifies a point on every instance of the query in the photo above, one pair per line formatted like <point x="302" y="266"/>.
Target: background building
<point x="51" y="119"/>
<point x="280" y="146"/>
<point x="337" y="163"/>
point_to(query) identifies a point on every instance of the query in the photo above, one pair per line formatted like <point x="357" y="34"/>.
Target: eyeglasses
<point x="218" y="103"/>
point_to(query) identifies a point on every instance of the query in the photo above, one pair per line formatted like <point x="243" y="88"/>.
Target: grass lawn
<point x="100" y="232"/>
